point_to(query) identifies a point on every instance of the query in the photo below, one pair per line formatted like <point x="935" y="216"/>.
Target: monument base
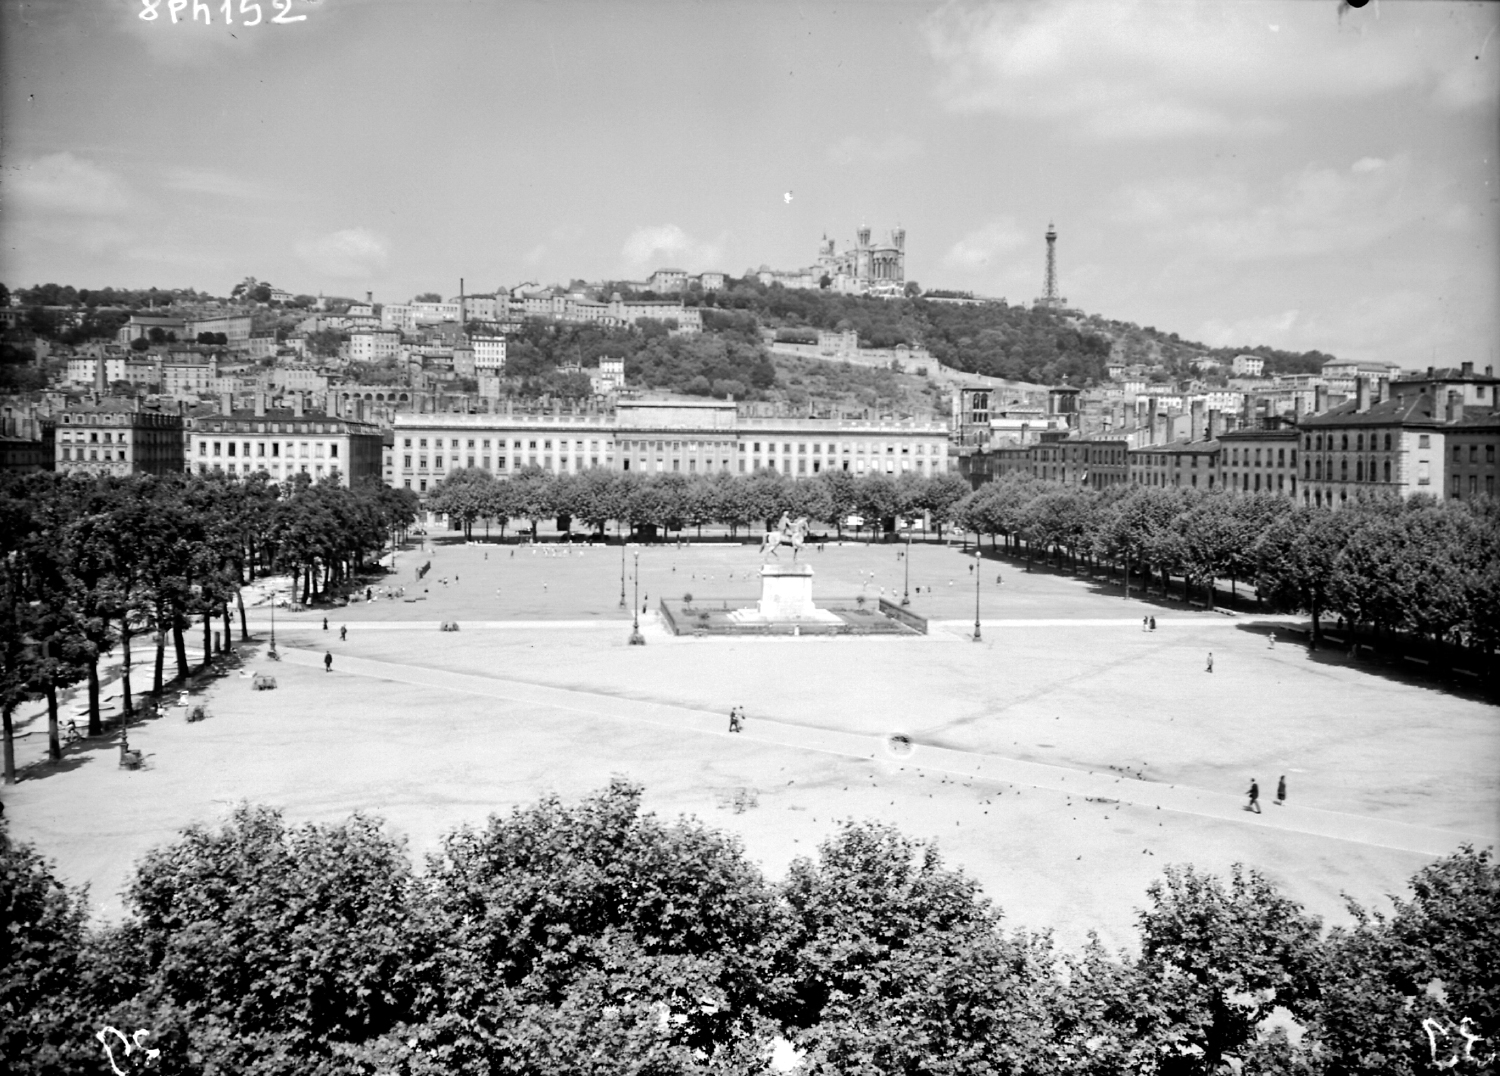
<point x="786" y="594"/>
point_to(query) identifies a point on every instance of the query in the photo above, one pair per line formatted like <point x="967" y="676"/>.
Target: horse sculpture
<point x="788" y="533"/>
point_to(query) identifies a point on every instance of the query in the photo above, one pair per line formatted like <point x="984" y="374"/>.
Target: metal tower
<point x="1049" y="298"/>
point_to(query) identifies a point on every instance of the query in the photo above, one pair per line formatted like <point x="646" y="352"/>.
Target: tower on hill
<point x="1050" y="299"/>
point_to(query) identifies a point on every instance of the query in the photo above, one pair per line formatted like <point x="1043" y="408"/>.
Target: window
<point x="218" y="448"/>
<point x="406" y="463"/>
<point x="407" y="445"/>
<point x="1473" y="453"/>
<point x="1344" y="443"/>
<point x="202" y="449"/>
<point x="1424" y="441"/>
<point x="1387" y="470"/>
<point x="1457" y="454"/>
<point x="1387" y="442"/>
<point x="1424" y="476"/>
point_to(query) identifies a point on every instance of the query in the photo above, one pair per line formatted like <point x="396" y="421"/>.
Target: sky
<point x="1301" y="175"/>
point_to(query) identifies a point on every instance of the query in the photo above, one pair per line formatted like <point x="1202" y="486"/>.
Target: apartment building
<point x="284" y="442"/>
<point x="118" y="437"/>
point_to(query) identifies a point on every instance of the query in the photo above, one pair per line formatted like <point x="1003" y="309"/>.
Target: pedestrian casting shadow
<point x="1386" y="665"/>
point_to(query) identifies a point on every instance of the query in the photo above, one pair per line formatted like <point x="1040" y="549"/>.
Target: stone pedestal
<point x="786" y="592"/>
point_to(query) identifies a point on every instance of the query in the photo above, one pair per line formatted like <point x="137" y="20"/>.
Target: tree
<point x="140" y="343"/>
<point x="276" y="944"/>
<point x="1218" y="960"/>
<point x="1296" y="558"/>
<point x="1401" y="990"/>
<point x="900" y="963"/>
<point x="41" y="967"/>
<point x="428" y="297"/>
<point x="591" y="925"/>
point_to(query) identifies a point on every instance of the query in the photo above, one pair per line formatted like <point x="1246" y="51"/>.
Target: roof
<point x="1282" y="434"/>
<point x="1181" y="448"/>
<point x="1410" y="410"/>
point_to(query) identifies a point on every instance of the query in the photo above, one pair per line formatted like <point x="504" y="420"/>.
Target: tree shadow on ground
<point x="1108" y="585"/>
<point x="1387" y="664"/>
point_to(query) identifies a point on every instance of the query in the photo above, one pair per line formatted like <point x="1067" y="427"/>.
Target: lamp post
<point x="978" y="571"/>
<point x="906" y="590"/>
<point x="272" y="652"/>
<point x="622" y="573"/>
<point x="636" y="638"/>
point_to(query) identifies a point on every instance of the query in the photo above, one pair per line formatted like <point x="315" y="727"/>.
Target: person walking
<point x="1254" y="804"/>
<point x="1153" y="623"/>
<point x="328" y="661"/>
<point x="343" y="632"/>
<point x="325" y="623"/>
<point x="1271" y="641"/>
<point x="1210" y="661"/>
<point x="1281" y="790"/>
<point x="998" y="580"/>
<point x="1145" y="620"/>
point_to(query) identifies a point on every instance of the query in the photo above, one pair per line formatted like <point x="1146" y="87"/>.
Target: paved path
<point x="1380" y="833"/>
<point x="614" y="620"/>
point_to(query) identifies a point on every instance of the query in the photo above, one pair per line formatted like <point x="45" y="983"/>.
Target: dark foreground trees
<point x="594" y="937"/>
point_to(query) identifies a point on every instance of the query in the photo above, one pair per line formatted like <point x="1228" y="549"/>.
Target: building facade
<point x="660" y="437"/>
<point x="1255" y="461"/>
<point x="284" y="442"/>
<point x="118" y="437"/>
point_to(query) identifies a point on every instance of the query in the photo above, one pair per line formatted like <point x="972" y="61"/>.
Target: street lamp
<point x="622" y="573"/>
<point x="271" y="654"/>
<point x="636" y="638"/>
<point x="906" y="592"/>
<point x="978" y="571"/>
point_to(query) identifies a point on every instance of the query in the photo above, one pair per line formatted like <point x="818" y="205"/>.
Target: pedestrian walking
<point x="1254" y="804"/>
<point x="736" y="719"/>
<point x="998" y="580"/>
<point x="343" y="632"/>
<point x="325" y="623"/>
<point x="1153" y="623"/>
<point x="971" y="569"/>
<point x="1271" y="641"/>
<point x="369" y="594"/>
<point x="328" y="661"/>
<point x="1144" y="621"/>
<point x="1210" y="661"/>
<point x="1281" y="790"/>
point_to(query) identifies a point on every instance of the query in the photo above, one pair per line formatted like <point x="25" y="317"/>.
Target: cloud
<point x="350" y="254"/>
<point x="662" y="245"/>
<point x="1139" y="70"/>
<point x="980" y="247"/>
<point x="1312" y="212"/>
<point x="61" y="183"/>
<point x="856" y="150"/>
<point x="211" y="182"/>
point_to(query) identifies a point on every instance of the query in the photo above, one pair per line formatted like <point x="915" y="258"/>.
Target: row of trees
<point x="1430" y="568"/>
<point x="89" y="564"/>
<point x="597" y="938"/>
<point x="674" y="501"/>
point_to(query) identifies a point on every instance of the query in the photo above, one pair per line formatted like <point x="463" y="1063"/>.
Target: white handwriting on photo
<point x="250" y="11"/>
<point x="132" y="1044"/>
<point x="1449" y="1034"/>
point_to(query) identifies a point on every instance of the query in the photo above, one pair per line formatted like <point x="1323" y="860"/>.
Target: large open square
<point x="1062" y="760"/>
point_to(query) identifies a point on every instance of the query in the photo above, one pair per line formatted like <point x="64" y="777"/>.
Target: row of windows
<point x="1281" y="459"/>
<point x="1315" y="469"/>
<point x="67" y="453"/>
<point x="95" y="437"/>
<point x="316" y="469"/>
<point x="1489" y="453"/>
<point x="635" y="445"/>
<point x="293" y="448"/>
<point x="1310" y="441"/>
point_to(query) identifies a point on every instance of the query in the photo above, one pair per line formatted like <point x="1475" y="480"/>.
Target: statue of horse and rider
<point x="787" y="532"/>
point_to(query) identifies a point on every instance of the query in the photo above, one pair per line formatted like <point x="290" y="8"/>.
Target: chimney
<point x="369" y="298"/>
<point x="1215" y="424"/>
<point x="101" y="386"/>
<point x="260" y="405"/>
<point x="1320" y="399"/>
<point x="1297" y="409"/>
<point x="1430" y="371"/>
<point x="1195" y="421"/>
<point x="1466" y="369"/>
<point x="1151" y="419"/>
<point x="297" y="405"/>
<point x="226" y="403"/>
<point x="1361" y="394"/>
<point x="1377" y="390"/>
<point x="1455" y="409"/>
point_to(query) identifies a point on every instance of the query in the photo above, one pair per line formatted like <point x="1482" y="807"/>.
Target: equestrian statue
<point x="787" y="532"/>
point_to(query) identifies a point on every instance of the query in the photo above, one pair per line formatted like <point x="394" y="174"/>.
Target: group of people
<point x="1254" y="804"/>
<point x="736" y="719"/>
